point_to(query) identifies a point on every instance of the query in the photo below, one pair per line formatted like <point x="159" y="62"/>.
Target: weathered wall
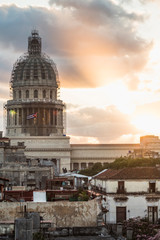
<point x="62" y="213"/>
<point x="135" y="206"/>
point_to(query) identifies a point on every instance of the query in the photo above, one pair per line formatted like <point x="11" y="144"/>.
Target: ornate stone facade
<point x="34" y="109"/>
<point x="35" y="112"/>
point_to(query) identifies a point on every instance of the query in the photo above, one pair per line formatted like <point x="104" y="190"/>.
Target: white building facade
<point x="129" y="193"/>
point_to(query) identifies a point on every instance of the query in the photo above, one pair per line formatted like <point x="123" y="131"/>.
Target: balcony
<point x="121" y="190"/>
<point x="120" y="199"/>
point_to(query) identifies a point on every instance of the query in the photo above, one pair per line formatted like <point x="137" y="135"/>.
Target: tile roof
<point x="107" y="174"/>
<point x="102" y="173"/>
<point x="131" y="173"/>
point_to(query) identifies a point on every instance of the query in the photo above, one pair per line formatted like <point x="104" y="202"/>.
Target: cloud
<point x="132" y="82"/>
<point x="149" y="109"/>
<point x="105" y="23"/>
<point x="97" y="11"/>
<point x="95" y="39"/>
<point x="93" y="43"/>
<point x="103" y="124"/>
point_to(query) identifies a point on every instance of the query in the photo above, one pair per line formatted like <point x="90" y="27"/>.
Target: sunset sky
<point x="108" y="56"/>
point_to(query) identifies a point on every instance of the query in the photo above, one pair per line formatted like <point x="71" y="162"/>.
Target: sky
<point x="108" y="57"/>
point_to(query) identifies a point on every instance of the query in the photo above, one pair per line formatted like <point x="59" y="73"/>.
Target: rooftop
<point x="131" y="173"/>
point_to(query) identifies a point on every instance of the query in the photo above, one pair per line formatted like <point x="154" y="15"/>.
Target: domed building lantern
<point x="34" y="109"/>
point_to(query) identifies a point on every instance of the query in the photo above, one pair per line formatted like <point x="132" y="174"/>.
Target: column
<point x="62" y="118"/>
<point x="56" y="117"/>
<point x="49" y="116"/>
<point x="13" y="117"/>
<point x="22" y="116"/>
<point x="8" y="118"/>
<point x="27" y="121"/>
<point x="17" y="116"/>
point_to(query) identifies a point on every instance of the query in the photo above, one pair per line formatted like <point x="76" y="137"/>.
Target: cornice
<point x="47" y="149"/>
<point x="92" y="158"/>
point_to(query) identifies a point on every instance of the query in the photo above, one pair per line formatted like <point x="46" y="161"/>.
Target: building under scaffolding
<point x="34" y="108"/>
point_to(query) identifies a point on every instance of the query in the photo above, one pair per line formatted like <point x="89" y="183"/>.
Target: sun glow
<point x="147" y="123"/>
<point x="85" y="140"/>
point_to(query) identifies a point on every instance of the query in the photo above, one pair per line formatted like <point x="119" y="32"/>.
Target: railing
<point x="34" y="100"/>
<point x="121" y="190"/>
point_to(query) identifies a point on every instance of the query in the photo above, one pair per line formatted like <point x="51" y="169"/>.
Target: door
<point x="152" y="214"/>
<point x="120" y="214"/>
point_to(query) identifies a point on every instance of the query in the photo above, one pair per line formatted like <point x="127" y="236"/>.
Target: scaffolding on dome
<point x="15" y="65"/>
<point x="48" y="59"/>
<point x="23" y="58"/>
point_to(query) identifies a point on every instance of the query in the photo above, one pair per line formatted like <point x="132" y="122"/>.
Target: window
<point x="83" y="165"/>
<point x="120" y="187"/>
<point x="27" y="93"/>
<point x="44" y="93"/>
<point x="152" y="214"/>
<point x="90" y="164"/>
<point x="54" y="161"/>
<point x="152" y="187"/>
<point x="20" y="94"/>
<point x="35" y="93"/>
<point x="51" y="94"/>
<point x="76" y="166"/>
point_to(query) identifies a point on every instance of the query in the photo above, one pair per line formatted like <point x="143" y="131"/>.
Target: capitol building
<point x="36" y="119"/>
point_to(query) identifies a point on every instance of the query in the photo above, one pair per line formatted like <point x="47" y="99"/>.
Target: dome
<point x="34" y="108"/>
<point x="34" y="68"/>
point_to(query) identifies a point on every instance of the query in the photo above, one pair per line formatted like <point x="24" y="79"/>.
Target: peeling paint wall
<point x="61" y="213"/>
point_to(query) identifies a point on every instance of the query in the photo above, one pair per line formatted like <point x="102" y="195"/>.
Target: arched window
<point x="51" y="94"/>
<point x="27" y="93"/>
<point x="35" y="93"/>
<point x="44" y="93"/>
<point x="20" y="94"/>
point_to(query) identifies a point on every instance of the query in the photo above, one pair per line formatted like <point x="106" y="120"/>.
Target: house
<point x="128" y="193"/>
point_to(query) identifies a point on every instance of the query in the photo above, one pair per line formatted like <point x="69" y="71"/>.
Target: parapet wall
<point x="61" y="213"/>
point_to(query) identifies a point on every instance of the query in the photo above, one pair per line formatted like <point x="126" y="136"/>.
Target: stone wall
<point x="61" y="213"/>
